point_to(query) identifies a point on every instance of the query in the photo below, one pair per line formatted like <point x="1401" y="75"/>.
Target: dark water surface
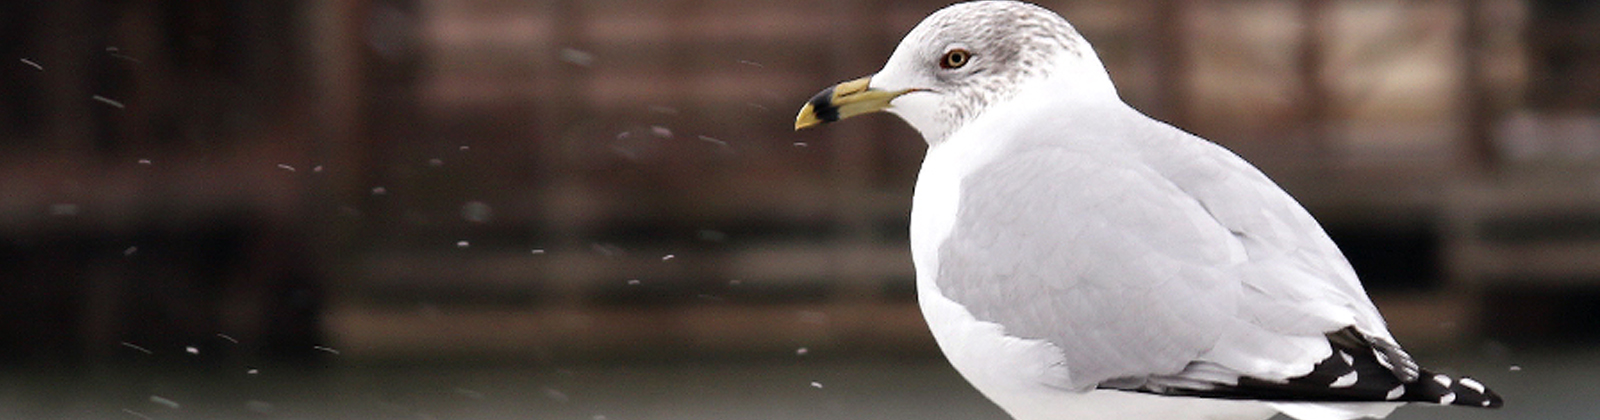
<point x="1537" y="384"/>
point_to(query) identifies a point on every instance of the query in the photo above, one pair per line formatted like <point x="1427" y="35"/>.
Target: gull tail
<point x="1364" y="375"/>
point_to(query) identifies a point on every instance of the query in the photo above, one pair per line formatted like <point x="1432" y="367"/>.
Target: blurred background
<point x="432" y="209"/>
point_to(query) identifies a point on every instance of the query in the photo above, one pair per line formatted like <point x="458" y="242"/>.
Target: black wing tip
<point x="1491" y="400"/>
<point x="1465" y="392"/>
<point x="1357" y="371"/>
<point x="1425" y="390"/>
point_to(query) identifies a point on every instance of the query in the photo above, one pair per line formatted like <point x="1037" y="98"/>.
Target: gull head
<point x="961" y="61"/>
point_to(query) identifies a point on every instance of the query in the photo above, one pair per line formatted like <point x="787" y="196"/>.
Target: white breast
<point x="1003" y="368"/>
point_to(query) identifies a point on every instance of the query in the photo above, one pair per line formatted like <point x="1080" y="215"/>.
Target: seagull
<point x="1076" y="259"/>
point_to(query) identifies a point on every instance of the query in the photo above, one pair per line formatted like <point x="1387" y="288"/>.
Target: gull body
<point x="1077" y="259"/>
<point x="1025" y="376"/>
<point x="1022" y="375"/>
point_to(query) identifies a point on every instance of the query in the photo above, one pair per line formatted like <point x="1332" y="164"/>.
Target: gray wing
<point x="1137" y="277"/>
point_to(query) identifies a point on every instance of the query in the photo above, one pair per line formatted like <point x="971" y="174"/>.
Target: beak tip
<point x="807" y="118"/>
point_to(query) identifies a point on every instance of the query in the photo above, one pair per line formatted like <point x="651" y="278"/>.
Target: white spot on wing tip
<point x="1446" y="399"/>
<point x="1344" y="381"/>
<point x="1348" y="359"/>
<point x="1394" y="394"/>
<point x="1442" y="380"/>
<point x="1472" y="384"/>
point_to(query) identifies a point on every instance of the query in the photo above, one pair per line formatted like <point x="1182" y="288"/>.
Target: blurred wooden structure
<point x="513" y="177"/>
<point x="151" y="201"/>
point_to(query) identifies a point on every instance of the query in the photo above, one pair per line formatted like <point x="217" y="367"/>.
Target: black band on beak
<point x="822" y="105"/>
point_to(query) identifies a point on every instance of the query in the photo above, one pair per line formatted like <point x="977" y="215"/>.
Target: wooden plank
<point x="445" y="332"/>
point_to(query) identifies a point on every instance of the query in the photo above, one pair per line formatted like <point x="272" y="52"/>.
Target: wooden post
<point x="1477" y="125"/>
<point x="1311" y="60"/>
<point x="1172" y="62"/>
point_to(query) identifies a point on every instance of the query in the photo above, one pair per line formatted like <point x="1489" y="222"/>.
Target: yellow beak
<point x="845" y="100"/>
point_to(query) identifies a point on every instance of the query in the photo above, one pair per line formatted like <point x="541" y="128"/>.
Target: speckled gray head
<point x="960" y="61"/>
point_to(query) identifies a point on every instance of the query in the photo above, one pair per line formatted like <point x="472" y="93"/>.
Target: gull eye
<point x="955" y="58"/>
